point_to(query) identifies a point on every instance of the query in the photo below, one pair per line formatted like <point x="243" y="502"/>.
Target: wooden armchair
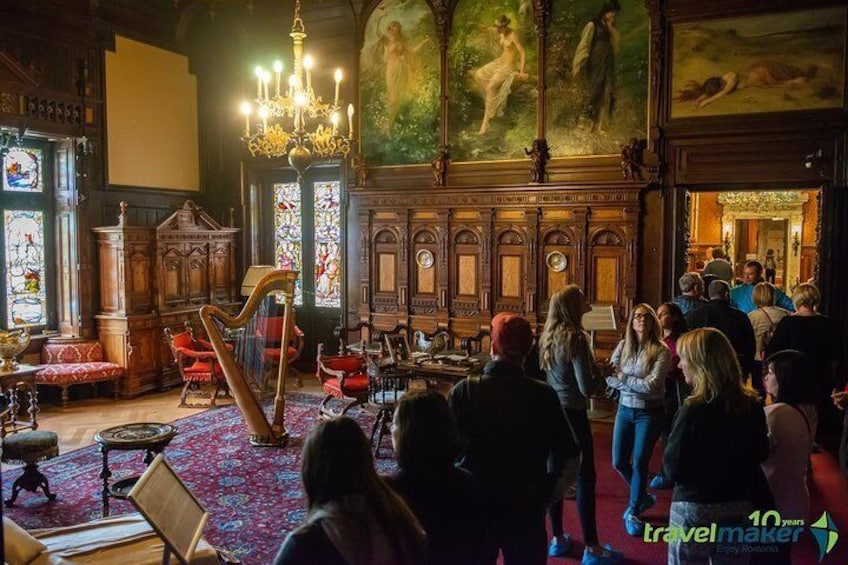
<point x="197" y="363"/>
<point x="269" y="332"/>
<point x="344" y="378"/>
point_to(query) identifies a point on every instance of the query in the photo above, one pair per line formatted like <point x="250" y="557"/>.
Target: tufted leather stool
<point x="30" y="448"/>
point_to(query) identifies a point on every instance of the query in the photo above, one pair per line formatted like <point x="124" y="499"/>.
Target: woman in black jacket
<point x="715" y="448"/>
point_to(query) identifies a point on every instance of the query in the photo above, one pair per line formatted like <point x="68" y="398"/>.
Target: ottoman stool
<point x="30" y="448"/>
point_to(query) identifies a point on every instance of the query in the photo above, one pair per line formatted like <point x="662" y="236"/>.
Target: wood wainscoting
<point x="451" y="259"/>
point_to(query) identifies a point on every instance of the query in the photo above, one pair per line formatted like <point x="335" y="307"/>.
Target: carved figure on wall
<point x="594" y="65"/>
<point x="440" y="167"/>
<point x="539" y="157"/>
<point x="360" y="169"/>
<point x="631" y="159"/>
<point x="495" y="78"/>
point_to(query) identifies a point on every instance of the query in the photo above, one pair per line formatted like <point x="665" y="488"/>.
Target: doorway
<point x="778" y="228"/>
<point x="303" y="222"/>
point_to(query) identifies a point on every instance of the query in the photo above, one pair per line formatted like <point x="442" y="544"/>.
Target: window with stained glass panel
<point x="328" y="272"/>
<point x="288" y="232"/>
<point x="26" y="298"/>
<point x="22" y="170"/>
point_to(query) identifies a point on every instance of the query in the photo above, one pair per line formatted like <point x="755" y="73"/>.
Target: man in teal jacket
<point x="742" y="296"/>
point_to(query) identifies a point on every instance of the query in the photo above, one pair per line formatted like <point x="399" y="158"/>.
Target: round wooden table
<point x="148" y="436"/>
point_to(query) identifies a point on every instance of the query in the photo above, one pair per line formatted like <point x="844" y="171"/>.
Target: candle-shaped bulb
<point x="258" y="72"/>
<point x="266" y="79"/>
<point x="300" y="99"/>
<point x="246" y="109"/>
<point x="338" y="77"/>
<point x="350" y="120"/>
<point x="278" y="69"/>
<point x="308" y="63"/>
<point x="335" y="119"/>
<point x="263" y="113"/>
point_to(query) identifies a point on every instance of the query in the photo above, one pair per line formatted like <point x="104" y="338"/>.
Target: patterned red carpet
<point x="254" y="494"/>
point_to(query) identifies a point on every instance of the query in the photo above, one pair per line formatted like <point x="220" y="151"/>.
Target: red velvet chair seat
<point x="354" y="383"/>
<point x="273" y="353"/>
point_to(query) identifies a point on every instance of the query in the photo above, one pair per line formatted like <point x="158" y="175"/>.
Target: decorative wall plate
<point x="424" y="258"/>
<point x="556" y="261"/>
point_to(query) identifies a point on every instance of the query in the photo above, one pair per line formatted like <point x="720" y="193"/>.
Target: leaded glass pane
<point x="288" y="232"/>
<point x="22" y="170"/>
<point x="26" y="300"/>
<point x="328" y="270"/>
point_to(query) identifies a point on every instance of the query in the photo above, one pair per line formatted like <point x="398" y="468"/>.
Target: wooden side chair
<point x="197" y="363"/>
<point x="343" y="378"/>
<point x="269" y="332"/>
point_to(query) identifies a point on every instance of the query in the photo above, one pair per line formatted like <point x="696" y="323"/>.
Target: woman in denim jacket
<point x="569" y="365"/>
<point x="640" y="361"/>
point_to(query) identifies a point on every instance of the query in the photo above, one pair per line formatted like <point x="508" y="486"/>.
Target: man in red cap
<point x="518" y="442"/>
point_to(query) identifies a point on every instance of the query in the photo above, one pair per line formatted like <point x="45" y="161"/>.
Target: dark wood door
<point x="303" y="223"/>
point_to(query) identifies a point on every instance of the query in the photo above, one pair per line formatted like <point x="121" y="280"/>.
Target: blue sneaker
<point x="560" y="546"/>
<point x="660" y="482"/>
<point x="646" y="503"/>
<point x="607" y="557"/>
<point x="634" y="526"/>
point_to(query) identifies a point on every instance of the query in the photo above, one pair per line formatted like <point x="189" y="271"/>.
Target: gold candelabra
<point x="295" y="121"/>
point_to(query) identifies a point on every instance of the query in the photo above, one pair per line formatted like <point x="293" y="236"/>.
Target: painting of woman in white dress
<point x="492" y="80"/>
<point x="400" y="84"/>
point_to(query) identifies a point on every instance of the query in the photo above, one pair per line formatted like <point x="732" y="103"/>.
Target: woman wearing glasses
<point x="640" y="365"/>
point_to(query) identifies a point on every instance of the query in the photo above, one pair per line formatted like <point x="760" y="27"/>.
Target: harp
<point x="242" y="349"/>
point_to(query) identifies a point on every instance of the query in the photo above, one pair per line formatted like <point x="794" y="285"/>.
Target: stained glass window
<point x="22" y="170"/>
<point x="288" y="232"/>
<point x="26" y="299"/>
<point x="328" y="270"/>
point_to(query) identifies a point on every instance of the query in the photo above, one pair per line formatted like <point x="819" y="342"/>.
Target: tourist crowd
<point x="480" y="470"/>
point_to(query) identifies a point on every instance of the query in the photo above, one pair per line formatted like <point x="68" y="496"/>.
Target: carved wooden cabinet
<point x="451" y="260"/>
<point x="153" y="278"/>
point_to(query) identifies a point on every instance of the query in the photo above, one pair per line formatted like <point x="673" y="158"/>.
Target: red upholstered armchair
<point x="72" y="363"/>
<point x="197" y="363"/>
<point x="343" y="378"/>
<point x="270" y="332"/>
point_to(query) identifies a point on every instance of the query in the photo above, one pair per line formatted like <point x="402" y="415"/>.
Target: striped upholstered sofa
<point x="66" y="364"/>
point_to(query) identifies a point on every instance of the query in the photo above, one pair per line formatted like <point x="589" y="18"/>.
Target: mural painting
<point x="769" y="63"/>
<point x="492" y="80"/>
<point x="597" y="76"/>
<point x="399" y="84"/>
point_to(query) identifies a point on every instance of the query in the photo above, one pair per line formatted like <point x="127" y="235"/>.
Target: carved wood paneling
<point x="488" y="259"/>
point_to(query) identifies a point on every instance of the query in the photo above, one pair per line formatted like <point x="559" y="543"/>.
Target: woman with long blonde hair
<point x="569" y="364"/>
<point x="715" y="449"/>
<point x="640" y="362"/>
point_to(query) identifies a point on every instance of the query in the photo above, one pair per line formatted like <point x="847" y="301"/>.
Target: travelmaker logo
<point x="767" y="530"/>
<point x="825" y="533"/>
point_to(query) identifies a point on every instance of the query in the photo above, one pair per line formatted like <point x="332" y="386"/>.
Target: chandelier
<point x="294" y="121"/>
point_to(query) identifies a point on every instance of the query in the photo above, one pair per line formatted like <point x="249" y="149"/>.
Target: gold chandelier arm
<point x="261" y="432"/>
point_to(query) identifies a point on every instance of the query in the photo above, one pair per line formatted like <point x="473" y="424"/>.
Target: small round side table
<point x="148" y="436"/>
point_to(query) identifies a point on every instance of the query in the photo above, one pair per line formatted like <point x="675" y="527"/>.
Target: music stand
<point x="170" y="507"/>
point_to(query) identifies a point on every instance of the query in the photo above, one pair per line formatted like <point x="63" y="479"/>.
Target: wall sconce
<point x="796" y="244"/>
<point x="727" y="243"/>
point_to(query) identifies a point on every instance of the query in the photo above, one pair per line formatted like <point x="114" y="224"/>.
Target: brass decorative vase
<point x="12" y="344"/>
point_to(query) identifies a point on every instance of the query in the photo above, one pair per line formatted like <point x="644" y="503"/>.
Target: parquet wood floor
<point x="77" y="424"/>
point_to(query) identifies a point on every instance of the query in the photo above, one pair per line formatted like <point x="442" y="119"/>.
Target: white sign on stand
<point x="601" y="318"/>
